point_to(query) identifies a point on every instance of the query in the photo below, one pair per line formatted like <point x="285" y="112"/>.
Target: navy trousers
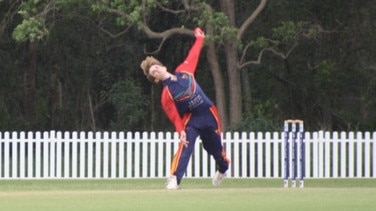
<point x="206" y="125"/>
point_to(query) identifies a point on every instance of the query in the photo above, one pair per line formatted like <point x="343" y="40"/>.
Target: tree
<point x="30" y="32"/>
<point x="220" y="27"/>
<point x="76" y="68"/>
<point x="268" y="61"/>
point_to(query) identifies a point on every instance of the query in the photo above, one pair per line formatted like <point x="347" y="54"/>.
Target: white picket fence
<point x="87" y="155"/>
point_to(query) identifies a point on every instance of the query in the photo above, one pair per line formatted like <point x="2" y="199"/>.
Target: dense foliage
<point x="74" y="64"/>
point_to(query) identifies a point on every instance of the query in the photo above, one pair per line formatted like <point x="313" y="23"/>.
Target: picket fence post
<point x="88" y="155"/>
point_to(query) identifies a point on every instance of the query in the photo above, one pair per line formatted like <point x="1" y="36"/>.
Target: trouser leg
<point x="182" y="156"/>
<point x="212" y="143"/>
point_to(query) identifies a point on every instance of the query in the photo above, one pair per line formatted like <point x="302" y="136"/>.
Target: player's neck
<point x="168" y="75"/>
<point x="173" y="77"/>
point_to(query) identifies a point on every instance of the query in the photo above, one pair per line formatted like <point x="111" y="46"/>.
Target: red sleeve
<point x="171" y="111"/>
<point x="191" y="61"/>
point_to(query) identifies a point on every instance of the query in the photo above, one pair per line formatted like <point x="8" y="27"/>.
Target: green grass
<point x="195" y="195"/>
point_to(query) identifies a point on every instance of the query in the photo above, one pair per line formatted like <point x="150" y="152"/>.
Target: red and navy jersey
<point x="184" y="96"/>
<point x="187" y="94"/>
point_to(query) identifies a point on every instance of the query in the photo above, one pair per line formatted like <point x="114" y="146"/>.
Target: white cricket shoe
<point x="172" y="183"/>
<point x="218" y="178"/>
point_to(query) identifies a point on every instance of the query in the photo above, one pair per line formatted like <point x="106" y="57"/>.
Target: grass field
<point x="195" y="195"/>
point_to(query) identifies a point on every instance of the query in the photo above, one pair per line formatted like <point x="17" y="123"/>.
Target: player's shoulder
<point x="184" y="74"/>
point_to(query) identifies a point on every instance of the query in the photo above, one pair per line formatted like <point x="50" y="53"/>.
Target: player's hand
<point x="183" y="138"/>
<point x="199" y="32"/>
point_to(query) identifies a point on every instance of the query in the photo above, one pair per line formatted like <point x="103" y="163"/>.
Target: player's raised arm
<point x="190" y="63"/>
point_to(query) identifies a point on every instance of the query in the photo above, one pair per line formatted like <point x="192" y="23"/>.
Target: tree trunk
<point x="235" y="91"/>
<point x="29" y="76"/>
<point x="234" y="84"/>
<point x="218" y="83"/>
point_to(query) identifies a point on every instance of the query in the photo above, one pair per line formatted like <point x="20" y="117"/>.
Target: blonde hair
<point x="146" y="64"/>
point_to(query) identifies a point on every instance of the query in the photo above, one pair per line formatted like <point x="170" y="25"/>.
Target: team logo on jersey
<point x="189" y="92"/>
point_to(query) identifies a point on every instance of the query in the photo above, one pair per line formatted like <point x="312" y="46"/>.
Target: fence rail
<point x="86" y="155"/>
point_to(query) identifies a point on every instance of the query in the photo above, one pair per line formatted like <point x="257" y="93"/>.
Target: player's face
<point x="157" y="71"/>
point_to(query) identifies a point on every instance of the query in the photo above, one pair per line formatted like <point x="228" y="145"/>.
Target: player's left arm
<point x="190" y="63"/>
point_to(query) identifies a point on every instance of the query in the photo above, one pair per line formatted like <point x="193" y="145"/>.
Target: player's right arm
<point x="190" y="63"/>
<point x="169" y="107"/>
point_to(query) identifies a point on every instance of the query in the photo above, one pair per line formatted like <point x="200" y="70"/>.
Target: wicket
<point x="290" y="127"/>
